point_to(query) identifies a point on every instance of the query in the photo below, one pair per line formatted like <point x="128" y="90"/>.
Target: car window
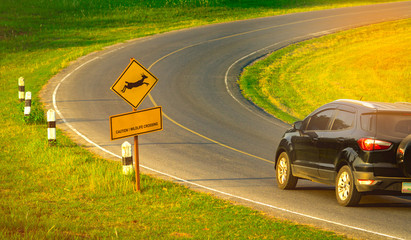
<point x="343" y="120"/>
<point x="321" y="120"/>
<point x="368" y="122"/>
<point x="394" y="124"/>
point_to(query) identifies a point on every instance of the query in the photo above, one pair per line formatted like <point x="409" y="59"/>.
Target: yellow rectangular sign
<point x="136" y="123"/>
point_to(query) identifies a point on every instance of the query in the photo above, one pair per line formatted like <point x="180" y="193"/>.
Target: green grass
<point x="371" y="63"/>
<point x="65" y="192"/>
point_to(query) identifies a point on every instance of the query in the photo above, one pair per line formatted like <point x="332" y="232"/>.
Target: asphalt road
<point x="213" y="139"/>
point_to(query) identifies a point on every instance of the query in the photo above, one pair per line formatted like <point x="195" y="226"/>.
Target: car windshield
<point x="394" y="124"/>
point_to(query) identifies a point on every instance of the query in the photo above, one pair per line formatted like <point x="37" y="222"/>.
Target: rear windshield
<point x="388" y="124"/>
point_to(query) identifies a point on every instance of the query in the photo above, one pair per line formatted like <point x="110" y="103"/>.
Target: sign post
<point x="133" y="86"/>
<point x="137" y="163"/>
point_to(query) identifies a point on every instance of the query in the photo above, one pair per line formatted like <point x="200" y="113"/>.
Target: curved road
<point x="213" y="139"/>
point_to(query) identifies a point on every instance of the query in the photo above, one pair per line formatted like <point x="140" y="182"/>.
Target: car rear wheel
<point x="345" y="190"/>
<point x="285" y="178"/>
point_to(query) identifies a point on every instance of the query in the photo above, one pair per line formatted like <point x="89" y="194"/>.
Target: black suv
<point x="360" y="147"/>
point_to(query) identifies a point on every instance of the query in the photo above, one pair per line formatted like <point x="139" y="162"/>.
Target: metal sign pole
<point x="137" y="160"/>
<point x="137" y="163"/>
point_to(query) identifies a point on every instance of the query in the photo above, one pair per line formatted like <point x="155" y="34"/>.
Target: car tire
<point x="345" y="190"/>
<point x="284" y="175"/>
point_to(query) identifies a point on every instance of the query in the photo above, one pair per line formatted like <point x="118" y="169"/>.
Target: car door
<point x="306" y="144"/>
<point x="331" y="142"/>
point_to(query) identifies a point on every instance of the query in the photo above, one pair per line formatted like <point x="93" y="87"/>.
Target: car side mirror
<point x="298" y="125"/>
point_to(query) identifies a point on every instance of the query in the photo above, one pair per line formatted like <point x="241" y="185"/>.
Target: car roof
<point x="377" y="106"/>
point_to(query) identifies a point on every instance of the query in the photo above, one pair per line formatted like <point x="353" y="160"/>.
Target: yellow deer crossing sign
<point x="134" y="83"/>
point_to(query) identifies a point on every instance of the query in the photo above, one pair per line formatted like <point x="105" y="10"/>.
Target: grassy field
<point x="65" y="192"/>
<point x="370" y="63"/>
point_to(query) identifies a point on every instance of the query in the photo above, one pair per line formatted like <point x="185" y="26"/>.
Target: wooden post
<point x="27" y="106"/>
<point x="127" y="159"/>
<point x="21" y="89"/>
<point x="51" y="127"/>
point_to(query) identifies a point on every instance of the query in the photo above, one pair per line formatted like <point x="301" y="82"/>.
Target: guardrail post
<point x="27" y="106"/>
<point x="127" y="159"/>
<point x="51" y="127"/>
<point x="21" y="89"/>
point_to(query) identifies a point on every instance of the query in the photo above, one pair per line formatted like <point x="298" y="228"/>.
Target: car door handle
<point x="314" y="139"/>
<point x="340" y="140"/>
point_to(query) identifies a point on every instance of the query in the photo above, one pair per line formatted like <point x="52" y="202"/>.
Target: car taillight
<point x="370" y="144"/>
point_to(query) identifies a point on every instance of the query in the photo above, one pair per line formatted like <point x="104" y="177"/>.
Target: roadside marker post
<point x="133" y="86"/>
<point x="27" y="104"/>
<point x="21" y="89"/>
<point x="127" y="159"/>
<point x="51" y="127"/>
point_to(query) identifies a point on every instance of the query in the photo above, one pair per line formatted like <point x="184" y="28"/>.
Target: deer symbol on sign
<point x="130" y="85"/>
